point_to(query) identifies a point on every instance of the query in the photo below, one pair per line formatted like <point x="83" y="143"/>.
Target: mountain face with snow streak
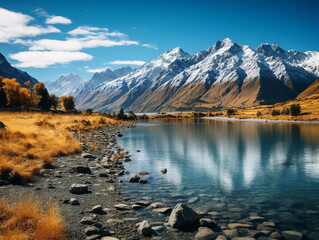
<point x="225" y="75"/>
<point x="7" y="71"/>
<point x="102" y="77"/>
<point x="65" y="85"/>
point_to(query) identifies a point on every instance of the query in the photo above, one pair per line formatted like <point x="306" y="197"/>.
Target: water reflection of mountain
<point x="228" y="155"/>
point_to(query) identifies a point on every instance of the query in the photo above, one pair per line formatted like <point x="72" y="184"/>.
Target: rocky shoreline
<point x="87" y="187"/>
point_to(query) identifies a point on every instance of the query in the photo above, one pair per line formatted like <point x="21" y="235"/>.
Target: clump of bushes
<point x="293" y="110"/>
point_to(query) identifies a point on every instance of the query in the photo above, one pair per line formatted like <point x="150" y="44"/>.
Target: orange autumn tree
<point x="18" y="96"/>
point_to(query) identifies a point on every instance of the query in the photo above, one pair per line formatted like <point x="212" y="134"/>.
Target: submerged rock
<point x="292" y="235"/>
<point x="205" y="233"/>
<point x="182" y="216"/>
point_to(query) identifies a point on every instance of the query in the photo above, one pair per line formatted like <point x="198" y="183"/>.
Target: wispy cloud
<point x="153" y="46"/>
<point x="127" y="62"/>
<point x="14" y="25"/>
<point x="76" y="44"/>
<point x="58" y="20"/>
<point x="43" y="59"/>
<point x="97" y="70"/>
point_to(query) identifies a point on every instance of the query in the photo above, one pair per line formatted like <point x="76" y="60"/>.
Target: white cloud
<point x="76" y="44"/>
<point x="14" y="25"/>
<point x="43" y="59"/>
<point x="58" y="20"/>
<point x="128" y="62"/>
<point x="153" y="46"/>
<point x="83" y="30"/>
<point x="97" y="70"/>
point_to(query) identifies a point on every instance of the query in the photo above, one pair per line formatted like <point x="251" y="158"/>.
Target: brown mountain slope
<point x="311" y="90"/>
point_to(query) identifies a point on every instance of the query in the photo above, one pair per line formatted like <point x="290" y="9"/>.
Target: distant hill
<point x="7" y="71"/>
<point x="225" y="75"/>
<point x="311" y="90"/>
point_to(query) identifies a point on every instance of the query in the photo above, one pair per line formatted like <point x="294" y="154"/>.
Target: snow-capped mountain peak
<point x="226" y="74"/>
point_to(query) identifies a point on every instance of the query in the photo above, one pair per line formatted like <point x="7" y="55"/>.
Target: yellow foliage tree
<point x="18" y="96"/>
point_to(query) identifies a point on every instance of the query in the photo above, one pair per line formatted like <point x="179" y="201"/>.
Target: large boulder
<point x="182" y="216"/>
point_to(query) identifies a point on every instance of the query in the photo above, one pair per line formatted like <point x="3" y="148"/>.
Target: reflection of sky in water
<point x="228" y="156"/>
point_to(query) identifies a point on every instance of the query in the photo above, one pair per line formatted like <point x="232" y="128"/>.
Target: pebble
<point x="207" y="222"/>
<point x="97" y="209"/>
<point x="74" y="202"/>
<point x="88" y="155"/>
<point x="143" y="173"/>
<point x="122" y="207"/>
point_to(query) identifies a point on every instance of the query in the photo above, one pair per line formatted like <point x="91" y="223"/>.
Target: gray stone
<point x="122" y="207"/>
<point x="109" y="238"/>
<point x="79" y="189"/>
<point x="74" y="201"/>
<point x="243" y="238"/>
<point x="142" y="181"/>
<point x="144" y="228"/>
<point x="157" y="205"/>
<point x="136" y="206"/>
<point x="205" y="233"/>
<point x="97" y="209"/>
<point x="207" y="222"/>
<point x="182" y="216"/>
<point x="88" y="220"/>
<point x="292" y="235"/>
<point x="163" y="210"/>
<point x="164" y="170"/>
<point x="143" y="203"/>
<point x="91" y="231"/>
<point x="88" y="155"/>
<point x="93" y="237"/>
<point x="239" y="225"/>
<point x="230" y="233"/>
<point x="104" y="175"/>
<point x="221" y="237"/>
<point x="275" y="235"/>
<point x="256" y="219"/>
<point x="81" y="169"/>
<point x="134" y="179"/>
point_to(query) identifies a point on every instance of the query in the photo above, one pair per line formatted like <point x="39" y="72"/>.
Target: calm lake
<point x="236" y="169"/>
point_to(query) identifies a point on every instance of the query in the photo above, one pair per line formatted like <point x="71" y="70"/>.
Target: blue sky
<point x="49" y="38"/>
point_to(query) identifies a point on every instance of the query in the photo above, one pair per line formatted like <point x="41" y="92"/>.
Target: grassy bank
<point x="30" y="219"/>
<point x="31" y="139"/>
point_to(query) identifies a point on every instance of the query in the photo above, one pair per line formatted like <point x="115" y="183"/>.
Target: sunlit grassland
<point x="31" y="139"/>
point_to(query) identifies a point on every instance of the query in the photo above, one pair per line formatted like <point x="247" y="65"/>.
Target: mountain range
<point x="7" y="71"/>
<point x="224" y="75"/>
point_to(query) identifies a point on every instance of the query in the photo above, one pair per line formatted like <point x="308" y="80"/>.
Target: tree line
<point x="14" y="95"/>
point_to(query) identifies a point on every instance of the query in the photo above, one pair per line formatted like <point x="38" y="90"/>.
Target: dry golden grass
<point x="30" y="139"/>
<point x="309" y="110"/>
<point x="30" y="220"/>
